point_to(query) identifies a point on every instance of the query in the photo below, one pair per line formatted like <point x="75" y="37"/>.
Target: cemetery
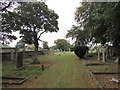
<point x="40" y="48"/>
<point x="105" y="71"/>
<point x="103" y="74"/>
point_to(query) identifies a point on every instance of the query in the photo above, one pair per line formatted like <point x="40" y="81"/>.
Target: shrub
<point x="71" y="49"/>
<point x="80" y="51"/>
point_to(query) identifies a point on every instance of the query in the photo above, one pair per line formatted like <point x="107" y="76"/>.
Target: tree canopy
<point x="45" y="45"/>
<point x="62" y="44"/>
<point x="36" y="19"/>
<point x="99" y="22"/>
<point x="32" y="19"/>
<point x="8" y="22"/>
<point x="80" y="36"/>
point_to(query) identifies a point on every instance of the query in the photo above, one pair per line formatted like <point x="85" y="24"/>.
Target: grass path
<point x="67" y="72"/>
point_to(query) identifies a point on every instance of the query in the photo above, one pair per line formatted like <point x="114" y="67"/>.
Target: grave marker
<point x="19" y="60"/>
<point x="12" y="56"/>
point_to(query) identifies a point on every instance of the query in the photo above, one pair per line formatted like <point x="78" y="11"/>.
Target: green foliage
<point x="20" y="44"/>
<point x="36" y="19"/>
<point x="31" y="19"/>
<point x="9" y="23"/>
<point x="80" y="51"/>
<point x="62" y="44"/>
<point x="8" y="26"/>
<point x="71" y="48"/>
<point x="97" y="23"/>
<point x="53" y="47"/>
<point x="81" y="36"/>
<point x="45" y="45"/>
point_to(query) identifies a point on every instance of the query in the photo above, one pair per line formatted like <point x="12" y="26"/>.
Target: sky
<point x="65" y="9"/>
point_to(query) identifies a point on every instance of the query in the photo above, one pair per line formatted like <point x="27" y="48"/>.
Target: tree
<point x="81" y="37"/>
<point x="62" y="44"/>
<point x="8" y="22"/>
<point x="45" y="45"/>
<point x="53" y="47"/>
<point x="100" y="20"/>
<point x="112" y="14"/>
<point x="36" y="18"/>
<point x="20" y="44"/>
<point x="6" y="5"/>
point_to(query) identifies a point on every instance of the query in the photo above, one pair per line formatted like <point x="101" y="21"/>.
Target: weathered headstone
<point x="12" y="56"/>
<point x="23" y="53"/>
<point x="98" y="55"/>
<point x="103" y="50"/>
<point x="53" y="52"/>
<point x="19" y="60"/>
<point x="16" y="54"/>
<point x="103" y="53"/>
<point x="117" y="60"/>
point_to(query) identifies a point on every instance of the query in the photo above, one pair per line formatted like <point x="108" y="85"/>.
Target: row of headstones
<point x="105" y="52"/>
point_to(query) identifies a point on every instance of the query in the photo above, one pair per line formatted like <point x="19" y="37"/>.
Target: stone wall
<point x="9" y="56"/>
<point x="6" y="50"/>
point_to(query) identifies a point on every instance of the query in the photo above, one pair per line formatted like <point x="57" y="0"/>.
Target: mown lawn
<point x="67" y="71"/>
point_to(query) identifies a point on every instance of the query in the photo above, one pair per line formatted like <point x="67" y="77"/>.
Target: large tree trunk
<point x="36" y="41"/>
<point x="36" y="45"/>
<point x="35" y="59"/>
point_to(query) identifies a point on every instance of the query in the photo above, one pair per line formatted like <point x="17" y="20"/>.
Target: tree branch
<point x="4" y="9"/>
<point x="40" y="35"/>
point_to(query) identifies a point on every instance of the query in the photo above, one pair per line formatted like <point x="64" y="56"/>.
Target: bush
<point x="71" y="49"/>
<point x="80" y="51"/>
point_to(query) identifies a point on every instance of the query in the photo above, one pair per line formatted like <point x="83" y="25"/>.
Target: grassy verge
<point x="9" y="69"/>
<point x="68" y="71"/>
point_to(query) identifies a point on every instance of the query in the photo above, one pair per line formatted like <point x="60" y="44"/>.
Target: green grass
<point x="68" y="71"/>
<point x="10" y="70"/>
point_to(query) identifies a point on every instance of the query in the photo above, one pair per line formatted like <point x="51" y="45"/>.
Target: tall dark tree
<point x="36" y="18"/>
<point x="100" y="20"/>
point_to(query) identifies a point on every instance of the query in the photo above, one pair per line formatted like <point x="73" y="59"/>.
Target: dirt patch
<point x="104" y="80"/>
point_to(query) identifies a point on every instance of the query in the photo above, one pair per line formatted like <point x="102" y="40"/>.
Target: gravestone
<point x="19" y="60"/>
<point x="53" y="52"/>
<point x="12" y="56"/>
<point x="117" y="60"/>
<point x="16" y="54"/>
<point x="64" y="52"/>
<point x="23" y="53"/>
<point x="103" y="50"/>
